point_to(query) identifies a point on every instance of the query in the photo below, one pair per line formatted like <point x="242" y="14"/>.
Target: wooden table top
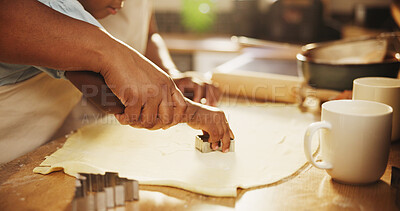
<point x="308" y="189"/>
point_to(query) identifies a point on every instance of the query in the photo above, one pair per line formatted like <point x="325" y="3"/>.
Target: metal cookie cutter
<point x="204" y="146"/>
<point x="102" y="192"/>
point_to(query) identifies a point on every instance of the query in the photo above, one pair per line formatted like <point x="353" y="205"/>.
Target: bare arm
<point x="157" y="51"/>
<point x="32" y="33"/>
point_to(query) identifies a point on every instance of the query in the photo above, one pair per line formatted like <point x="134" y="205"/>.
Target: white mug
<point x="354" y="140"/>
<point x="383" y="90"/>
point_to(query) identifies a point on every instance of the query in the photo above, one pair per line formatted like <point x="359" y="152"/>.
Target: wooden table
<point x="308" y="189"/>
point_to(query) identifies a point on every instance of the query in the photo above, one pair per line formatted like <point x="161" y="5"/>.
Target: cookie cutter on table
<point x="204" y="146"/>
<point x="102" y="192"/>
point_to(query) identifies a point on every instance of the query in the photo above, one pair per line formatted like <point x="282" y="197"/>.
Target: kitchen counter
<point x="189" y="43"/>
<point x="308" y="189"/>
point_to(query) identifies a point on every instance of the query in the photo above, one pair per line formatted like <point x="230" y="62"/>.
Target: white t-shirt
<point x="131" y="23"/>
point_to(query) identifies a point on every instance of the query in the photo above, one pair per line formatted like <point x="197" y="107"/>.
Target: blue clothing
<point x="14" y="73"/>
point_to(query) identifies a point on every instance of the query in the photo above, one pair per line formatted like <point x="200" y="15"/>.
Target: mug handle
<point x="311" y="129"/>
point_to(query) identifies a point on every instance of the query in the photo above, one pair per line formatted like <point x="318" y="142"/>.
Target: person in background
<point x="37" y="39"/>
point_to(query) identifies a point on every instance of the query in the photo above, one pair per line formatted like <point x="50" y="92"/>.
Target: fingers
<point x="140" y="115"/>
<point x="131" y="114"/>
<point x="148" y="118"/>
<point x="231" y="135"/>
<point x="134" y="77"/>
<point x="153" y="109"/>
<point x="219" y="139"/>
<point x="226" y="139"/>
<point x="223" y="137"/>
<point x="166" y="111"/>
<point x="186" y="86"/>
<point x="165" y="115"/>
<point x="198" y="92"/>
<point x="179" y="107"/>
<point x="216" y="135"/>
<point x="346" y="94"/>
<point x="212" y="94"/>
<point x="215" y="125"/>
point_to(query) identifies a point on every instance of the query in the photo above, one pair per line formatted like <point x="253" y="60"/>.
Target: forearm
<point x="157" y="50"/>
<point x="32" y="33"/>
<point x="158" y="53"/>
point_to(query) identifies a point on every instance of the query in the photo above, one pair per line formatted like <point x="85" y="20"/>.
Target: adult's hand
<point x="149" y="95"/>
<point x="196" y="89"/>
<point x="34" y="34"/>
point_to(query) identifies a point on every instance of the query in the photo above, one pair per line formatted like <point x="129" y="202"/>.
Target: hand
<point x="346" y="94"/>
<point x="196" y="89"/>
<point x="150" y="97"/>
<point x="212" y="121"/>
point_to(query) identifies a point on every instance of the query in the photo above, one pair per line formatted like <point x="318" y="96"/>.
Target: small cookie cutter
<point x="204" y="146"/>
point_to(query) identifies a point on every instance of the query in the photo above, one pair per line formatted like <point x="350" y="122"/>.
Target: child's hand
<point x="346" y="94"/>
<point x="212" y="121"/>
<point x="196" y="89"/>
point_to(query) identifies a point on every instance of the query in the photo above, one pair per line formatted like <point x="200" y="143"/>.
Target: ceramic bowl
<point x="335" y="64"/>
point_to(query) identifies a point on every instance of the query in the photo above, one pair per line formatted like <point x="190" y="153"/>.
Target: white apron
<point x="131" y="23"/>
<point x="31" y="112"/>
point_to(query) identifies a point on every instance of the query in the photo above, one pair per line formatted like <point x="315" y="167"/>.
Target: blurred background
<point x="199" y="32"/>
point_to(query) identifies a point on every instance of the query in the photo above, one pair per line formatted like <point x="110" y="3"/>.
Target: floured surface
<point x="269" y="147"/>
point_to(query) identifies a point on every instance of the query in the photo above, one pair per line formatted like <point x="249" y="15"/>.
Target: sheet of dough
<point x="269" y="147"/>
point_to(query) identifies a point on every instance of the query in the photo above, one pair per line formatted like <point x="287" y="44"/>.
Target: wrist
<point x="110" y="54"/>
<point x="106" y="53"/>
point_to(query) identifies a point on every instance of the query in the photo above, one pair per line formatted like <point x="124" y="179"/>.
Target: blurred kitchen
<point x="198" y="32"/>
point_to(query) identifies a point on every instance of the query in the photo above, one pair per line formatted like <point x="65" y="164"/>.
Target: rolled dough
<point x="269" y="147"/>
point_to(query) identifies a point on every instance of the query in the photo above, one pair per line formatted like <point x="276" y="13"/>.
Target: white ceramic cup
<point x="354" y="140"/>
<point x="383" y="90"/>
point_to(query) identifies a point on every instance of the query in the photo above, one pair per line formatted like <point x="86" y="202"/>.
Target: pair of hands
<point x="196" y="90"/>
<point x="152" y="100"/>
<point x="203" y="117"/>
